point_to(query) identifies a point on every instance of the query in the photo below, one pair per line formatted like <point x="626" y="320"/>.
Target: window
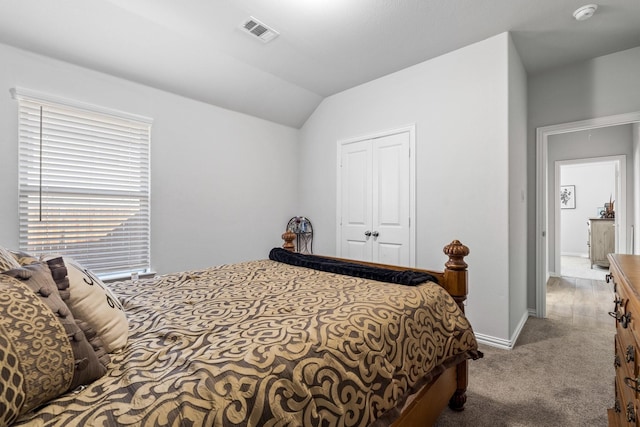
<point x="84" y="183"/>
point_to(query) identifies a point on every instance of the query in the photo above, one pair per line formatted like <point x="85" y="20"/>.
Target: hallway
<point x="581" y="296"/>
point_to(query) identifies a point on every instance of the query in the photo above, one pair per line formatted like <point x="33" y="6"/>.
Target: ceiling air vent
<point x="259" y="30"/>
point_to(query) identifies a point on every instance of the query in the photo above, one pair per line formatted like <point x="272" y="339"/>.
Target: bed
<point x="271" y="342"/>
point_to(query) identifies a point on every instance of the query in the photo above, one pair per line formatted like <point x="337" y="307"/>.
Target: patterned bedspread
<point x="262" y="343"/>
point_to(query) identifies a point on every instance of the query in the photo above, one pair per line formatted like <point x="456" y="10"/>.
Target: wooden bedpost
<point x="455" y="275"/>
<point x="288" y="237"/>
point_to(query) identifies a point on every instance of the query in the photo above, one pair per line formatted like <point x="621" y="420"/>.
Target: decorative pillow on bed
<point x="8" y="262"/>
<point x="24" y="258"/>
<point x="93" y="302"/>
<point x="87" y="365"/>
<point x="59" y="273"/>
<point x="36" y="359"/>
<point x="43" y="352"/>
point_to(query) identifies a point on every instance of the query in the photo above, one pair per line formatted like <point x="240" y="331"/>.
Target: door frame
<point x="542" y="212"/>
<point x="411" y="129"/>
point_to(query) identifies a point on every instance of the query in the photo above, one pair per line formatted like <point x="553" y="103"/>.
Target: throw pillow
<point x="36" y="358"/>
<point x="93" y="302"/>
<point x="8" y="262"/>
<point x="87" y="366"/>
<point x="24" y="258"/>
<point x="59" y="273"/>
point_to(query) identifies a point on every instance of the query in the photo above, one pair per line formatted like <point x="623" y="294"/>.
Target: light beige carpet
<point x="558" y="374"/>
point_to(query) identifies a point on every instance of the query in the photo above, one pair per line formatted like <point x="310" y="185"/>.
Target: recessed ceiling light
<point x="585" y="12"/>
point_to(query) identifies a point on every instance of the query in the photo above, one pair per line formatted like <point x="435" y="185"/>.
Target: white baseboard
<point x="518" y="329"/>
<point x="493" y="341"/>
<point x="501" y="342"/>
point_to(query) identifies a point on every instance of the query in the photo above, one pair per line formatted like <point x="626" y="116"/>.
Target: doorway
<point x="543" y="216"/>
<point x="590" y="184"/>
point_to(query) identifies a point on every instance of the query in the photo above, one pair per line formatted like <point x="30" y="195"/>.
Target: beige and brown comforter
<point x="268" y="344"/>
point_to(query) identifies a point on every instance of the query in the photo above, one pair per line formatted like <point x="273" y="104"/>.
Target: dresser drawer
<point x="625" y="272"/>
<point x="627" y="356"/>
<point x="614" y="418"/>
<point x="626" y="309"/>
<point x="627" y="383"/>
<point x="626" y="406"/>
<point x="624" y="315"/>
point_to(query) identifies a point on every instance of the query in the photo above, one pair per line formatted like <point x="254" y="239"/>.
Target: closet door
<point x="375" y="200"/>
<point x="390" y="202"/>
<point x="356" y="201"/>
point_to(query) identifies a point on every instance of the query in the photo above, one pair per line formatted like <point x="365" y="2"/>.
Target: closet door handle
<point x="375" y="234"/>
<point x="367" y="233"/>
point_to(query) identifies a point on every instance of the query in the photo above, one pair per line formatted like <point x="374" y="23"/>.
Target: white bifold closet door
<point x="375" y="200"/>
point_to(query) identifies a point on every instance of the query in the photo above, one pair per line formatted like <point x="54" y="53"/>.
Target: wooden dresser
<point x="625" y="274"/>
<point x="602" y="240"/>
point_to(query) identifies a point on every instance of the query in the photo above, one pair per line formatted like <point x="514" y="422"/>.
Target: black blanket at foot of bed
<point x="407" y="277"/>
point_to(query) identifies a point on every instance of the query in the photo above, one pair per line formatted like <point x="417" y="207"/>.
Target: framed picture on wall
<point x="567" y="197"/>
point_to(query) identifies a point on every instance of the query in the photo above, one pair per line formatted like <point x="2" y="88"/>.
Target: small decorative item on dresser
<point x="609" y="212"/>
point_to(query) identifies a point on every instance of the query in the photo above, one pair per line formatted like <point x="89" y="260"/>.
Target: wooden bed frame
<point x="450" y="386"/>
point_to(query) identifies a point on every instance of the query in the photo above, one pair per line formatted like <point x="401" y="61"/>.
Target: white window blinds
<point x="84" y="185"/>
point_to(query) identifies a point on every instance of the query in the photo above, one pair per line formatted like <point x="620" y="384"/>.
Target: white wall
<point x="600" y="87"/>
<point x="223" y="184"/>
<point x="459" y="103"/>
<point x="517" y="147"/>
<point x="594" y="184"/>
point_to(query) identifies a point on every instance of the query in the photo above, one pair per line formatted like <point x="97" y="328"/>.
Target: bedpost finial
<point x="288" y="237"/>
<point x="456" y="252"/>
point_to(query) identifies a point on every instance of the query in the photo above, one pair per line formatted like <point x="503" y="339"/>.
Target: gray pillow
<point x="36" y="358"/>
<point x="87" y="365"/>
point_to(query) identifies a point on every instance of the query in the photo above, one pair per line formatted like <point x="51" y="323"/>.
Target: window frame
<point x="103" y="198"/>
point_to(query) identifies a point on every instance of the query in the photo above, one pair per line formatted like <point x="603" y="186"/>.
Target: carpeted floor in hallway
<point x="560" y="372"/>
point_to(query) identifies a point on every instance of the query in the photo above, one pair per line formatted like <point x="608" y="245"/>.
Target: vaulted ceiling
<point x="196" y="48"/>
